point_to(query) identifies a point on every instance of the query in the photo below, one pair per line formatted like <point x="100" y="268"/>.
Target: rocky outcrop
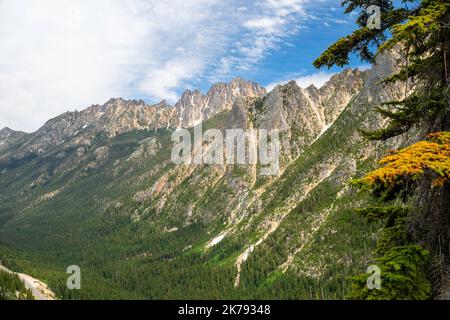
<point x="6" y="133"/>
<point x="194" y="106"/>
<point x="10" y="137"/>
<point x="9" y="134"/>
<point x="300" y="114"/>
<point x="311" y="108"/>
<point x="114" y="117"/>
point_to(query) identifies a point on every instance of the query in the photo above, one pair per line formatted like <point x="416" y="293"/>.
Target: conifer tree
<point x="420" y="31"/>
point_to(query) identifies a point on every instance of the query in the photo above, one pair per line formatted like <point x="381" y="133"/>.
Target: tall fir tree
<point x="420" y="31"/>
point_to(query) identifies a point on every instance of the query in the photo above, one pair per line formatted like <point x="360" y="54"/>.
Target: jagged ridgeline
<point x="97" y="189"/>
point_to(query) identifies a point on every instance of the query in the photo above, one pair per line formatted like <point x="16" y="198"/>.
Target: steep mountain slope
<point x="97" y="188"/>
<point x="9" y="137"/>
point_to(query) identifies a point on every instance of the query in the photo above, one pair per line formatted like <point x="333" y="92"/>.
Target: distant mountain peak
<point x="119" y="115"/>
<point x="195" y="106"/>
<point x="5" y="130"/>
<point x="240" y="80"/>
<point x="163" y="104"/>
<point x="8" y="136"/>
<point x="311" y="87"/>
<point x="117" y="101"/>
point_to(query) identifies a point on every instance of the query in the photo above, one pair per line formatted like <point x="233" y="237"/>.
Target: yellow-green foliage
<point x="431" y="156"/>
<point x="426" y="23"/>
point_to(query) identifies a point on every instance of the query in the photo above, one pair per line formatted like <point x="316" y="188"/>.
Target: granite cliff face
<point x="194" y="106"/>
<point x="313" y="108"/>
<point x="300" y="114"/>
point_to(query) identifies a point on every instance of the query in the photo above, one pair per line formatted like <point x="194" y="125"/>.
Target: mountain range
<point x="97" y="188"/>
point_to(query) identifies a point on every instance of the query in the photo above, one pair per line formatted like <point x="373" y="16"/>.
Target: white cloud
<point x="317" y="79"/>
<point x="364" y="67"/>
<point x="52" y="59"/>
<point x="163" y="82"/>
<point x="265" y="24"/>
<point x="274" y="21"/>
<point x="59" y="55"/>
<point x="340" y="21"/>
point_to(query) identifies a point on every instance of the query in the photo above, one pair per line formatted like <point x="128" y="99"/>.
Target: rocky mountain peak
<point x="5" y="132"/>
<point x="194" y="106"/>
<point x="338" y="91"/>
<point x="238" y="80"/>
<point x="345" y="78"/>
<point x="288" y="106"/>
<point x="311" y="87"/>
<point x="114" y="117"/>
<point x="9" y="136"/>
<point x="163" y="104"/>
<point x="303" y="114"/>
<point x="118" y="116"/>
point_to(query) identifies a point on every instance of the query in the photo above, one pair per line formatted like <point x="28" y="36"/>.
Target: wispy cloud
<point x="57" y="55"/>
<point x="268" y="23"/>
<point x="317" y="79"/>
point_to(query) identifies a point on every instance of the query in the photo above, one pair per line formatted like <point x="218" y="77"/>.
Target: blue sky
<point x="60" y="55"/>
<point x="292" y="57"/>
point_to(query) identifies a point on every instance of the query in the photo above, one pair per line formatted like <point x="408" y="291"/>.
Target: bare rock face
<point x="222" y="95"/>
<point x="290" y="103"/>
<point x="9" y="137"/>
<point x="122" y="116"/>
<point x="337" y="93"/>
<point x="8" y="134"/>
<point x="190" y="108"/>
<point x="301" y="115"/>
<point x="310" y="110"/>
<point x="5" y="133"/>
<point x="194" y="106"/>
<point x="115" y="117"/>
